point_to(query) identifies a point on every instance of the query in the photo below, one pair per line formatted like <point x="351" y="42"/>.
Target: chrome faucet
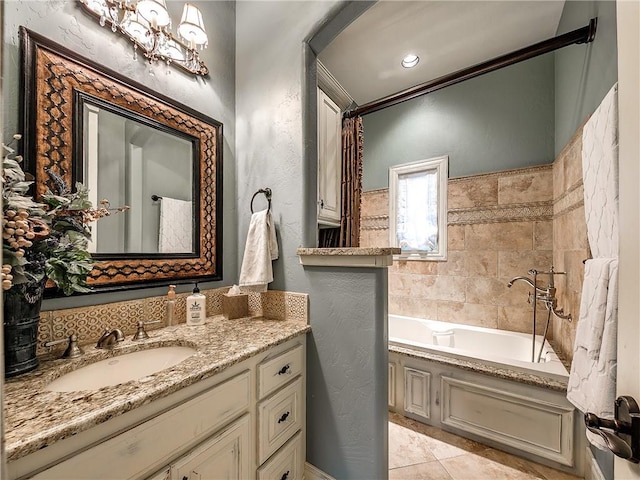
<point x="109" y="338"/>
<point x="528" y="281"/>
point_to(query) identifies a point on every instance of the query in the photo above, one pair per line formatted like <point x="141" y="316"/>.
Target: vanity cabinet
<point x="329" y="160"/>
<point x="247" y="421"/>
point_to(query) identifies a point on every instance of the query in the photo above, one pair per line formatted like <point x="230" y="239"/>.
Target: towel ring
<point x="267" y="193"/>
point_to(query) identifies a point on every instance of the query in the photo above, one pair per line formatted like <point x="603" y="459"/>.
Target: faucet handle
<point x="141" y="334"/>
<point x="72" y="350"/>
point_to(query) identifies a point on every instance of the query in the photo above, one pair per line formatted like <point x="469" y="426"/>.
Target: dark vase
<point x="21" y="316"/>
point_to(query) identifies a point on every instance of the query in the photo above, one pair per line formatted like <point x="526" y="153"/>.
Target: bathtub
<point x="510" y="349"/>
<point x="480" y="383"/>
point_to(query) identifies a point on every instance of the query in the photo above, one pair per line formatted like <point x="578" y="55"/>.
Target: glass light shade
<point x="410" y="61"/>
<point x="154" y="11"/>
<point x="98" y="6"/>
<point x="191" y="26"/>
<point x="138" y="28"/>
<point x="172" y="50"/>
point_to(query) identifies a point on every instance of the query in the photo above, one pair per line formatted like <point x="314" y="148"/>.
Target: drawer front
<point x="279" y="370"/>
<point x="279" y="417"/>
<point x="138" y="451"/>
<point x="287" y="464"/>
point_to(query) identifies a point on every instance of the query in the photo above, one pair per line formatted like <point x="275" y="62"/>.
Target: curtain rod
<point x="582" y="35"/>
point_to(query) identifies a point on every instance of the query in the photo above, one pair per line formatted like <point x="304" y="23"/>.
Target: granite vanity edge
<point x="29" y="442"/>
<point x="349" y="251"/>
<point x="480" y="367"/>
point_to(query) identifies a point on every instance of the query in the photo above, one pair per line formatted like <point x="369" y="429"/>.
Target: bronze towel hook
<point x="267" y="193"/>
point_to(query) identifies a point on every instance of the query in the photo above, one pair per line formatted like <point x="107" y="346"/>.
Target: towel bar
<point x="267" y="193"/>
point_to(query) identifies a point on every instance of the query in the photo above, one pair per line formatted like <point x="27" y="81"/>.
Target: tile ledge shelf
<point x="347" y="257"/>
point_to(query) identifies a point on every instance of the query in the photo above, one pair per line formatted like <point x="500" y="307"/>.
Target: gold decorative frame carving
<point x="53" y="76"/>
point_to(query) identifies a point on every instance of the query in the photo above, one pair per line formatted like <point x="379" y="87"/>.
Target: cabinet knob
<point x="285" y="475"/>
<point x="283" y="418"/>
<point x="284" y="369"/>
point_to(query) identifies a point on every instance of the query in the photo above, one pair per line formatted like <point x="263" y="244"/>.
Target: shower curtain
<point x="348" y="234"/>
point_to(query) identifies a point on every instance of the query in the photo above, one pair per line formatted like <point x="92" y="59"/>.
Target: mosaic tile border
<point x="501" y="214"/>
<point x="374" y="222"/>
<point x="570" y="200"/>
<point x="90" y="322"/>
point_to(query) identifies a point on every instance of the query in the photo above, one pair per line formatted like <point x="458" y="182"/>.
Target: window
<point x="418" y="208"/>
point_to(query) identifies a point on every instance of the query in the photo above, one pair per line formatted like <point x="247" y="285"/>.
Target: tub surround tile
<point x="543" y="235"/>
<point x="519" y="318"/>
<point x="36" y="418"/>
<point x="499" y="236"/>
<point x="420" y="267"/>
<point x="455" y="264"/>
<point x="518" y="263"/>
<point x="491" y="291"/>
<point x="455" y="237"/>
<point x="469" y="192"/>
<point x="375" y="202"/>
<point x="413" y="306"/>
<point x="468" y="314"/>
<point x="481" y="263"/>
<point x="536" y="185"/>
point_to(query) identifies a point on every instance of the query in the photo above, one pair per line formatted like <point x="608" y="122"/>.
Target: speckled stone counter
<point x="371" y="257"/>
<point x="486" y="368"/>
<point x="35" y="417"/>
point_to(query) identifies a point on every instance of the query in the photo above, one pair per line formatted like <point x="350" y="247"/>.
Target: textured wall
<point x="64" y="22"/>
<point x="499" y="227"/>
<point x="570" y="244"/>
<point x="494" y="122"/>
<point x="584" y="74"/>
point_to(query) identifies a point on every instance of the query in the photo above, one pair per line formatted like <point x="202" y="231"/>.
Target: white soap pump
<point x="196" y="307"/>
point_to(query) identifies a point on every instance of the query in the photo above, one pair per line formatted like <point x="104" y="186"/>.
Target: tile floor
<point x="421" y="452"/>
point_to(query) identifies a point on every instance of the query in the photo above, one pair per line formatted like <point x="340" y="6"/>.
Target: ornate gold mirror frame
<point x="53" y="77"/>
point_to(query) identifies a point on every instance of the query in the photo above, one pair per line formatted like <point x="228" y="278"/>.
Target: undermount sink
<point x="120" y="369"/>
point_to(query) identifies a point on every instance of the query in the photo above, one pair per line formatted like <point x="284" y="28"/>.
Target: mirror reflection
<point x="149" y="169"/>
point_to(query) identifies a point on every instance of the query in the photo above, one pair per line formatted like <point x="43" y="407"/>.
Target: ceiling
<point x="446" y="35"/>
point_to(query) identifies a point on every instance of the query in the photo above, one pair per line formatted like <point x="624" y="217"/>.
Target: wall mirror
<point x="134" y="147"/>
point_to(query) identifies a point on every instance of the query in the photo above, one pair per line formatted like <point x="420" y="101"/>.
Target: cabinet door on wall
<point x="225" y="456"/>
<point x="329" y="160"/>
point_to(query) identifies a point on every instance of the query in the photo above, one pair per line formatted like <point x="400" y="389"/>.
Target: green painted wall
<point x="584" y="74"/>
<point x="498" y="121"/>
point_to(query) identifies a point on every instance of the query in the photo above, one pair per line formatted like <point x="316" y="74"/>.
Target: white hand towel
<point x="260" y="250"/>
<point x="175" y="235"/>
<point x="592" y="381"/>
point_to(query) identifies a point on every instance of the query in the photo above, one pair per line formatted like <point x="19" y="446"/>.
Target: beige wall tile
<point x="468" y="314"/>
<point x="558" y="176"/>
<point x="455" y="237"/>
<point x="570" y="230"/>
<point x="512" y="264"/>
<point x="480" y="191"/>
<point x="543" y="235"/>
<point x="536" y="186"/>
<point x="454" y="265"/>
<point x="411" y="306"/>
<point x="499" y="236"/>
<point x="375" y="202"/>
<point x="492" y="291"/>
<point x="421" y="267"/>
<point x="573" y="162"/>
<point x="481" y="263"/>
<point x="519" y="318"/>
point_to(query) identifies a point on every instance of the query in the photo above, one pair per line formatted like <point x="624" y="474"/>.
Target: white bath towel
<point x="592" y="381"/>
<point x="175" y="235"/>
<point x="260" y="250"/>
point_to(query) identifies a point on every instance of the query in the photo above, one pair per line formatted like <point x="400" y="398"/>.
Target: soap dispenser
<point x="196" y="307"/>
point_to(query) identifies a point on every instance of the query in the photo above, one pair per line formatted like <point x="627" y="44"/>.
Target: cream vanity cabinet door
<point x="329" y="160"/>
<point x="225" y="456"/>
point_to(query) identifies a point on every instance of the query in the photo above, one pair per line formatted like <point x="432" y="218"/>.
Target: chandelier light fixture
<point x="147" y="24"/>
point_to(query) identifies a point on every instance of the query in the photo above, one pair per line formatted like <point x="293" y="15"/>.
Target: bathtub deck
<point x="418" y="451"/>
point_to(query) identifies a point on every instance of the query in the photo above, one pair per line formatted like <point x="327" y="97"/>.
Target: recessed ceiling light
<point x="410" y="61"/>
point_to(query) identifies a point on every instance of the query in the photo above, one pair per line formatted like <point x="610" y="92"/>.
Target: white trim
<point x="314" y="473"/>
<point x="440" y="165"/>
<point x="332" y="88"/>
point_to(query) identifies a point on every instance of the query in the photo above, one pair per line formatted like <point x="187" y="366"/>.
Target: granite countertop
<point x="349" y="251"/>
<point x="35" y="418"/>
<point x="487" y="368"/>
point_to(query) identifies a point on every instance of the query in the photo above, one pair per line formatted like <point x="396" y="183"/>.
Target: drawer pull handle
<point x="285" y="475"/>
<point x="283" y="418"/>
<point x="284" y="369"/>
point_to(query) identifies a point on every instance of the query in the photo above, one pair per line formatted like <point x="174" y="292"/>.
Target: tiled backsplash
<point x="90" y="322"/>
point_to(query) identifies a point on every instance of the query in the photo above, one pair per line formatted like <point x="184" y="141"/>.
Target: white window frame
<point x="441" y="166"/>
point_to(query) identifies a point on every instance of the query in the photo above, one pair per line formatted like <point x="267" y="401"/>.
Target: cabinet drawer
<point x="279" y="417"/>
<point x="277" y="371"/>
<point x="142" y="449"/>
<point x="287" y="464"/>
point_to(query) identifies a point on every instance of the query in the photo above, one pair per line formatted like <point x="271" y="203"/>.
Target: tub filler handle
<point x="622" y="435"/>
